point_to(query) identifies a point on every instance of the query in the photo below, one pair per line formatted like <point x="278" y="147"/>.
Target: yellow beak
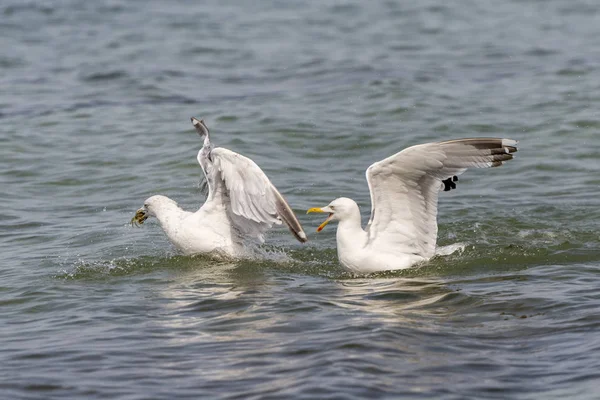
<point x="320" y="210"/>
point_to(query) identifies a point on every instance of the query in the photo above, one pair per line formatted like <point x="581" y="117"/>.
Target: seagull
<point x="241" y="205"/>
<point x="404" y="188"/>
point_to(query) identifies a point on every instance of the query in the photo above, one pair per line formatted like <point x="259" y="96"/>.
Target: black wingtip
<point x="200" y="126"/>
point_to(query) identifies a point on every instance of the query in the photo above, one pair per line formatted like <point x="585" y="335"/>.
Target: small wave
<point x="103" y="269"/>
<point x="104" y="75"/>
<point x="314" y="262"/>
<point x="450" y="249"/>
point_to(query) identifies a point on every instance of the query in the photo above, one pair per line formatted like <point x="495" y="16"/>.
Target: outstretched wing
<point x="404" y="189"/>
<point x="255" y="204"/>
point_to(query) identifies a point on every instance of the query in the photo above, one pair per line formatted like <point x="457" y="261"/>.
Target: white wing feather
<point x="255" y="204"/>
<point x="404" y="189"/>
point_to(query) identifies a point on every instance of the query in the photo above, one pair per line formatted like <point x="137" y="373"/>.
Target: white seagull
<point x="402" y="230"/>
<point x="241" y="205"/>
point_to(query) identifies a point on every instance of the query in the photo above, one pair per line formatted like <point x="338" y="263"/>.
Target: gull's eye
<point x="146" y="205"/>
<point x="332" y="207"/>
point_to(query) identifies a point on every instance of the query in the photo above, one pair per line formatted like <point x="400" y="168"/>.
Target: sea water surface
<point x="95" y="101"/>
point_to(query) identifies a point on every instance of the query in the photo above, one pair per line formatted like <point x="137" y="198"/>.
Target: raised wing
<point x="207" y="185"/>
<point x="404" y="189"/>
<point x="255" y="204"/>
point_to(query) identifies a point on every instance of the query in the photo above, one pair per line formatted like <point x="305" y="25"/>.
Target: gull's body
<point x="241" y="205"/>
<point x="207" y="230"/>
<point x="402" y="230"/>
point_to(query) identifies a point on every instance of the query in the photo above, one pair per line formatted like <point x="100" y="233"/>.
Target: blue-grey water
<point x="95" y="101"/>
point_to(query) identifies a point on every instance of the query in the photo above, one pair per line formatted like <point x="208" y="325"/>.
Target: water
<point x="95" y="103"/>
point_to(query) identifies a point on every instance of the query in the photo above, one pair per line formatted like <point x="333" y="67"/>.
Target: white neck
<point x="169" y="216"/>
<point x="350" y="234"/>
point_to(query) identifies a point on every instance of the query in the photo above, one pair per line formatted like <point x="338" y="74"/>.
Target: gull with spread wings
<point x="241" y="205"/>
<point x="402" y="230"/>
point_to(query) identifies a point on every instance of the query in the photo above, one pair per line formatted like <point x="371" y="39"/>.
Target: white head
<point x="339" y="209"/>
<point x="152" y="206"/>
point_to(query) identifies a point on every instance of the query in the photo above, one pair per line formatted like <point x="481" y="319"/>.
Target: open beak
<point x="140" y="216"/>
<point x="320" y="210"/>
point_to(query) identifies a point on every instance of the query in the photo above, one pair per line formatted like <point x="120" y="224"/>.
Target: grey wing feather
<point x="203" y="187"/>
